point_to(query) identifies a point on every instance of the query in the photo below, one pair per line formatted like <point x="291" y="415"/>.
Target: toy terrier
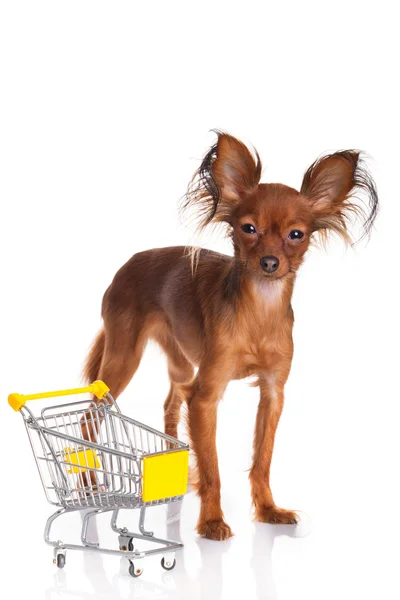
<point x="229" y="316"/>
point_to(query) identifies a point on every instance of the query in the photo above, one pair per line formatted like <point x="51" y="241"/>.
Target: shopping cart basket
<point x="90" y="456"/>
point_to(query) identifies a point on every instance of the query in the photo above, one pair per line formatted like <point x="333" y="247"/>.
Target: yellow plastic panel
<point x="83" y="459"/>
<point x="165" y="475"/>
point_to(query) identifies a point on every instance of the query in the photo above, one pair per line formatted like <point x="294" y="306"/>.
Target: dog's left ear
<point x="331" y="185"/>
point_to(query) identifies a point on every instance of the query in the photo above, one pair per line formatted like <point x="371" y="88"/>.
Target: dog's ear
<point x="331" y="185"/>
<point x="228" y="174"/>
<point x="235" y="171"/>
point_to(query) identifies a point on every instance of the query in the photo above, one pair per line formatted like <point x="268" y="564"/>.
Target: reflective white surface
<point x="332" y="554"/>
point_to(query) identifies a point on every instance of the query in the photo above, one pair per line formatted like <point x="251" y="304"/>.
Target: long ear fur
<point x="227" y="174"/>
<point x="336" y="185"/>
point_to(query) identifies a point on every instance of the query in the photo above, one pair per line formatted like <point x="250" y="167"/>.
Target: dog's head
<point x="271" y="224"/>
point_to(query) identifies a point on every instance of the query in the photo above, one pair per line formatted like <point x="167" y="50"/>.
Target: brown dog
<point x="229" y="316"/>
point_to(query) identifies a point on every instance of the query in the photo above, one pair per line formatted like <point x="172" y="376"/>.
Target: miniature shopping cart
<point x="90" y="456"/>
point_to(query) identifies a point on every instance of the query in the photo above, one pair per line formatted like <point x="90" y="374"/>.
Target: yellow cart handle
<point x="98" y="388"/>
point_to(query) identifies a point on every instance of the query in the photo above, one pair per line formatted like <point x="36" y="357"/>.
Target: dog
<point x="229" y="316"/>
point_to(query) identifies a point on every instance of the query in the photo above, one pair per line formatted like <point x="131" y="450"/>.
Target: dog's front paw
<point x="276" y="515"/>
<point x="214" y="530"/>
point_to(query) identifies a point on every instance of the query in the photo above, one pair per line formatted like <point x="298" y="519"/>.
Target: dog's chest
<point x="264" y="339"/>
<point x="261" y="355"/>
<point x="265" y="347"/>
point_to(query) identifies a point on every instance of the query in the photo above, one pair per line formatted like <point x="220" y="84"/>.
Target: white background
<point x="105" y="113"/>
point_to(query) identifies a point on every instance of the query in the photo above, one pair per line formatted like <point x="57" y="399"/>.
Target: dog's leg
<point x="172" y="409"/>
<point x="203" y="402"/>
<point x="118" y="367"/>
<point x="180" y="371"/>
<point x="122" y="354"/>
<point x="269" y="412"/>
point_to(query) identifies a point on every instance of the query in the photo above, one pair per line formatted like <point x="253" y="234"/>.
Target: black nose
<point x="269" y="263"/>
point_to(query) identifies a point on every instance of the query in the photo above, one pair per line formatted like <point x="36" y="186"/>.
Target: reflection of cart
<point x="90" y="456"/>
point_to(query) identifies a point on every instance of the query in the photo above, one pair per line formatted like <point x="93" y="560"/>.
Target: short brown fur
<point x="230" y="316"/>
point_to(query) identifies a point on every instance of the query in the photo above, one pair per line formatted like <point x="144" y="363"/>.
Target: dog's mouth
<point x="273" y="276"/>
<point x="277" y="276"/>
<point x="282" y="273"/>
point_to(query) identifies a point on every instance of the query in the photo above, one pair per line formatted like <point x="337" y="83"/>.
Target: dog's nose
<point x="269" y="263"/>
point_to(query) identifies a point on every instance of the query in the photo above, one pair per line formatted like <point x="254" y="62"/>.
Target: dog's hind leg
<point x="172" y="409"/>
<point x="180" y="371"/>
<point x="123" y="351"/>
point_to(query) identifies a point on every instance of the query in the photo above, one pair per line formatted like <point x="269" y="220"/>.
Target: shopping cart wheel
<point x="134" y="572"/>
<point x="60" y="561"/>
<point x="126" y="545"/>
<point x="167" y="564"/>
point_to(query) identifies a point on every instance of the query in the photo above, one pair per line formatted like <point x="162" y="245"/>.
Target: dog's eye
<point x="295" y="234"/>
<point x="248" y="228"/>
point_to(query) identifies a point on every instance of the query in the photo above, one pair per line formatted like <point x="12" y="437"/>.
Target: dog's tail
<point x="92" y="366"/>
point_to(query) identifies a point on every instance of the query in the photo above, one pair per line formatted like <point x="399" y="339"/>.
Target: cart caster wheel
<point x="60" y="561"/>
<point x="167" y="564"/>
<point x="127" y="547"/>
<point x="135" y="572"/>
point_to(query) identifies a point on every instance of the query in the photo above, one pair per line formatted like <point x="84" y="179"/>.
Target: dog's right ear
<point x="228" y="174"/>
<point x="236" y="172"/>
